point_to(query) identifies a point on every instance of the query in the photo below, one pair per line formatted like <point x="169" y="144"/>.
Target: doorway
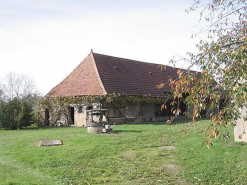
<point x="72" y="115"/>
<point x="47" y="116"/>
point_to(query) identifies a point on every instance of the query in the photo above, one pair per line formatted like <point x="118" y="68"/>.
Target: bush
<point x="16" y="114"/>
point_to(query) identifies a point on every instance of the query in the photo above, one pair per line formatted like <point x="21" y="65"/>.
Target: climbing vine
<point x="58" y="106"/>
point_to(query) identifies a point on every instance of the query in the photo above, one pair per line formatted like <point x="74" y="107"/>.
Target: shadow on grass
<point x="121" y="131"/>
<point x="177" y="121"/>
<point x="44" y="128"/>
<point x="31" y="128"/>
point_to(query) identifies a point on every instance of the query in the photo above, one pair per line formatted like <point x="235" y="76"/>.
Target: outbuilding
<point x="127" y="88"/>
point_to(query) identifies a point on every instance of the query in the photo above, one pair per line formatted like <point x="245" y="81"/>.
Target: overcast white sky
<point x="47" y="39"/>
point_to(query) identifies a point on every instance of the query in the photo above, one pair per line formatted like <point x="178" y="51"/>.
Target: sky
<point x="47" y="39"/>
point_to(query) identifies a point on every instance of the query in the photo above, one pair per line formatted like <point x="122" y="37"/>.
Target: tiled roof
<point x="101" y="74"/>
<point x="84" y="80"/>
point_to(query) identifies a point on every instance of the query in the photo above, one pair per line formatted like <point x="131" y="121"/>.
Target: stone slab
<point x="50" y="143"/>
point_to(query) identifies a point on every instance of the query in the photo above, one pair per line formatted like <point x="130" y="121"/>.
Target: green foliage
<point x="133" y="154"/>
<point x="58" y="106"/>
<point x="15" y="114"/>
<point x="18" y="102"/>
<point x="4" y="115"/>
<point x="221" y="84"/>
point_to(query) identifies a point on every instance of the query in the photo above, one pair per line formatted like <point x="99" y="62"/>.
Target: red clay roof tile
<point x="101" y="74"/>
<point x="84" y="80"/>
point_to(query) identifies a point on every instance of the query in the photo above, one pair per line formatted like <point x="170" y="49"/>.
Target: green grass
<point x="133" y="154"/>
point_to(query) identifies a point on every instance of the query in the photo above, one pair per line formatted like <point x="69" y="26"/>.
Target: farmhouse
<point x="127" y="88"/>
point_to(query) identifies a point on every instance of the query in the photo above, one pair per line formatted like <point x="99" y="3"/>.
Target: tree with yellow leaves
<point x="221" y="84"/>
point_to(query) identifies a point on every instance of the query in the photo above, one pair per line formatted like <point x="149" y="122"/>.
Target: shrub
<point x="16" y="114"/>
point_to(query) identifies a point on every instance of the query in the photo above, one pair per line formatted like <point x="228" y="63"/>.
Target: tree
<point x="1" y="92"/>
<point x="221" y="84"/>
<point x="21" y="113"/>
<point x="18" y="86"/>
<point x="18" y="102"/>
<point x="4" y="116"/>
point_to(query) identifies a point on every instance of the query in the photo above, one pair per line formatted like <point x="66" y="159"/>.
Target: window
<point x="89" y="107"/>
<point x="80" y="109"/>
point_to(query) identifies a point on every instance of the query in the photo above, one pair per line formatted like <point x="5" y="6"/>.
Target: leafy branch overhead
<point x="221" y="83"/>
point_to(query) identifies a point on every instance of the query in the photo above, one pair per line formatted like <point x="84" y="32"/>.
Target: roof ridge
<point x="183" y="68"/>
<point x="126" y="59"/>
<point x="97" y="72"/>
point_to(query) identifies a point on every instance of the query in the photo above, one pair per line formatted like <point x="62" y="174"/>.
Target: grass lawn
<point x="151" y="153"/>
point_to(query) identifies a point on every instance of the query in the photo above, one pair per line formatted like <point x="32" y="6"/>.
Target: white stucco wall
<point x="80" y="118"/>
<point x="240" y="130"/>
